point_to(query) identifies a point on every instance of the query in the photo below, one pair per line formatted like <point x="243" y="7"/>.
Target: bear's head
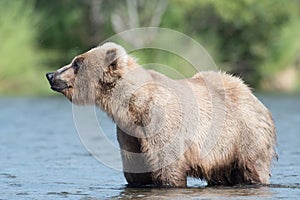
<point x="91" y="74"/>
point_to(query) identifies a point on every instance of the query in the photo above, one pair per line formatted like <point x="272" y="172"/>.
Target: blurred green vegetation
<point x="20" y="57"/>
<point x="256" y="40"/>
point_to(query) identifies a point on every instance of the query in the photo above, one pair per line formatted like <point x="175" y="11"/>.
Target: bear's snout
<point x="50" y="76"/>
<point x="55" y="83"/>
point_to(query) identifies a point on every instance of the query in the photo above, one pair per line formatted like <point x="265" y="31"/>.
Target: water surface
<point x="41" y="157"/>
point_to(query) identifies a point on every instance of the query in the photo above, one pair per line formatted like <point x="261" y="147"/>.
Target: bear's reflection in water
<point x="203" y="192"/>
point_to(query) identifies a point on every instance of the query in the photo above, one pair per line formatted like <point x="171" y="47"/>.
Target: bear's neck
<point x="115" y="97"/>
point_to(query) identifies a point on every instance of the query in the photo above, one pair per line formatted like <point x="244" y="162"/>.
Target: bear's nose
<point x="50" y="76"/>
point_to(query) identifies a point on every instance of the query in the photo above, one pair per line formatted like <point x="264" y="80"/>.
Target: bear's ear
<point x="111" y="59"/>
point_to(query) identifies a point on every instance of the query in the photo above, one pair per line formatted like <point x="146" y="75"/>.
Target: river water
<point x="42" y="157"/>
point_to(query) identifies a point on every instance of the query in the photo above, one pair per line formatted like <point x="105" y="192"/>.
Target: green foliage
<point x="253" y="39"/>
<point x="250" y="38"/>
<point x="59" y="29"/>
<point x="19" y="57"/>
<point x="68" y="28"/>
<point x="284" y="51"/>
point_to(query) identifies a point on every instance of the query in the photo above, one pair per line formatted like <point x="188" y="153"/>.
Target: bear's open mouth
<point x="58" y="85"/>
<point x="60" y="89"/>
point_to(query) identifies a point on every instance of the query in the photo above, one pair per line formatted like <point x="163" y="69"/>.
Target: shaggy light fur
<point x="210" y="126"/>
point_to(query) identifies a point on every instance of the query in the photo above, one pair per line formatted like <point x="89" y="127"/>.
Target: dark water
<point x="41" y="157"/>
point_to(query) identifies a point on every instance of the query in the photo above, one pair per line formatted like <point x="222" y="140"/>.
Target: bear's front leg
<point x="130" y="146"/>
<point x="170" y="176"/>
<point x="138" y="179"/>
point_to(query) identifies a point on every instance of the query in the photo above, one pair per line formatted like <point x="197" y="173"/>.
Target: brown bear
<point x="209" y="126"/>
